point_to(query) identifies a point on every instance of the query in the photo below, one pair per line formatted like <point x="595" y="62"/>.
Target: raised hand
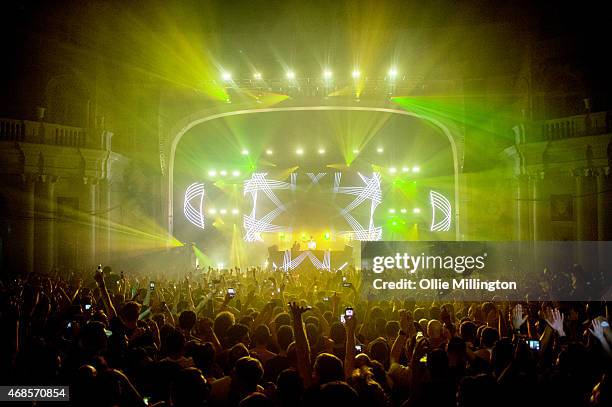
<point x="597" y="330"/>
<point x="556" y="321"/>
<point x="518" y="318"/>
<point x="296" y="310"/>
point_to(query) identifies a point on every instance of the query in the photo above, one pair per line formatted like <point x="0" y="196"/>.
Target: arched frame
<point x="179" y="130"/>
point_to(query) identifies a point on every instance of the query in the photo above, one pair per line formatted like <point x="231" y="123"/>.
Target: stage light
<point x="220" y="265"/>
<point x="355" y="151"/>
<point x="355" y="74"/>
<point x="394" y="223"/>
<point x="212" y="173"/>
<point x="392" y="73"/>
<point x="269" y="152"/>
<point x="380" y="150"/>
<point x="235" y="173"/>
<point x="257" y="76"/>
<point x="321" y="151"/>
<point x="392" y="210"/>
<point x="290" y="75"/>
<point x="403" y="210"/>
<point x="212" y="211"/>
<point x="235" y="211"/>
<point x="244" y="151"/>
<point x="416" y="169"/>
<point x="327" y="74"/>
<point x="223" y="173"/>
<point x="416" y="210"/>
<point x="299" y="151"/>
<point x="326" y="236"/>
<point x="405" y="169"/>
<point x="392" y="170"/>
<point x="223" y="211"/>
<point x="226" y="76"/>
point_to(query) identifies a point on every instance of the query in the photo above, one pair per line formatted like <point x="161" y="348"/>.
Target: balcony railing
<point x="577" y="126"/>
<point x="28" y="131"/>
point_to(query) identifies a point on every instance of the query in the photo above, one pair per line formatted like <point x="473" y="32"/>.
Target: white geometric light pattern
<point x="369" y="192"/>
<point x="290" y="264"/>
<point x="253" y="226"/>
<point x="439" y="202"/>
<point x="315" y="178"/>
<point x="193" y="206"/>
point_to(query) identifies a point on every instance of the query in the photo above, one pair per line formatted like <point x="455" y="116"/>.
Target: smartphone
<point x="343" y="279"/>
<point x="534" y="344"/>
<point x="342" y="319"/>
<point x="423" y="359"/>
<point x="348" y="312"/>
<point x="347" y="285"/>
<point x="146" y="400"/>
<point x="605" y="324"/>
<point x="231" y="292"/>
<point x="152" y="285"/>
<point x="278" y="290"/>
<point x="69" y="325"/>
<point x="99" y="267"/>
<point x="358" y="348"/>
<point x="87" y="307"/>
<point x="325" y="298"/>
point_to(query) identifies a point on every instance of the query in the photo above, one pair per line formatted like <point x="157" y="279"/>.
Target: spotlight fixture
<point x="244" y="151"/>
<point x="355" y="74"/>
<point x="392" y="73"/>
<point x="212" y="211"/>
<point x="235" y="211"/>
<point x="405" y="169"/>
<point x="416" y="210"/>
<point x="299" y="151"/>
<point x="235" y="173"/>
<point x="355" y="151"/>
<point x="269" y="152"/>
<point x="257" y="76"/>
<point x="212" y="173"/>
<point x="327" y="74"/>
<point x="392" y="210"/>
<point x="223" y="173"/>
<point x="219" y="265"/>
<point x="290" y="75"/>
<point x="416" y="168"/>
<point x="321" y="151"/>
<point x="226" y="76"/>
<point x="392" y="170"/>
<point x="403" y="210"/>
<point x="380" y="150"/>
<point x="223" y="211"/>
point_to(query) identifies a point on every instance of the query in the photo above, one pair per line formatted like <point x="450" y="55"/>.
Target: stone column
<point x="586" y="204"/>
<point x="604" y="205"/>
<point x="27" y="221"/>
<point x="522" y="208"/>
<point x="540" y="208"/>
<point x="45" y="206"/>
<point x="87" y="252"/>
<point x="103" y="222"/>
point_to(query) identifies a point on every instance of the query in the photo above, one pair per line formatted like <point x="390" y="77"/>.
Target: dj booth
<point x="302" y="260"/>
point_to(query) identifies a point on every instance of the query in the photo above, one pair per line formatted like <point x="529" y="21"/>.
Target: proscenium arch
<point x="180" y="132"/>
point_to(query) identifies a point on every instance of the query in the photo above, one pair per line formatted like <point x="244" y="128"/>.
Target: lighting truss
<point x="371" y="192"/>
<point x="439" y="202"/>
<point x="253" y="226"/>
<point x="193" y="205"/>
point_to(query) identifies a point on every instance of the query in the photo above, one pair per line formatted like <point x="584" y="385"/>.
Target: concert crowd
<point x="260" y="338"/>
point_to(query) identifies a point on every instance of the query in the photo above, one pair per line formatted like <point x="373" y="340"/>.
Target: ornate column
<point x="27" y="221"/>
<point x="586" y="204"/>
<point x="45" y="206"/>
<point x="87" y="251"/>
<point x="522" y="208"/>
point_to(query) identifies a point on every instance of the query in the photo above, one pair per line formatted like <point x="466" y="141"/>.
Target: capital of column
<point x="585" y="172"/>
